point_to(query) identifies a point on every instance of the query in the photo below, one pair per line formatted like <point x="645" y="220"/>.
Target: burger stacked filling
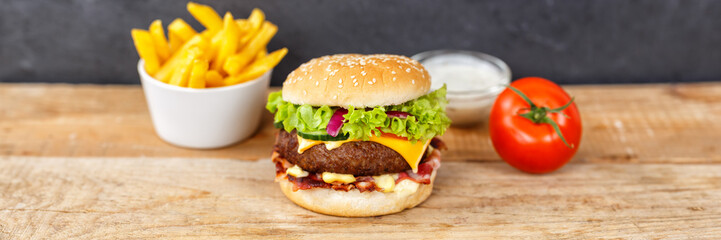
<point x="362" y="165"/>
<point x="385" y="148"/>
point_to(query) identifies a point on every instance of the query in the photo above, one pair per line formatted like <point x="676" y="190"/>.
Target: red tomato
<point x="530" y="143"/>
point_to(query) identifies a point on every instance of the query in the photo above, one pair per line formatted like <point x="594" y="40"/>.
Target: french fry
<point x="197" y="75"/>
<point x="166" y="77"/>
<point x="228" y="51"/>
<point x="261" y="54"/>
<point x="213" y="79"/>
<point x="175" y="42"/>
<point x="207" y="34"/>
<point x="243" y="25"/>
<point x="181" y="75"/>
<point x="144" y="45"/>
<point x="255" y="20"/>
<point x="159" y="40"/>
<point x="215" y="43"/>
<point x="206" y="15"/>
<point x="182" y="29"/>
<point x="258" y="68"/>
<point x="179" y="56"/>
<point x="232" y="65"/>
<point x="231" y="34"/>
<point x="240" y="60"/>
<point x="233" y="62"/>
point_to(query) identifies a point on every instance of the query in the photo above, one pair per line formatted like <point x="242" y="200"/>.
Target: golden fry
<point x="206" y="15"/>
<point x="231" y="34"/>
<point x="255" y="20"/>
<point x="159" y="40"/>
<point x="181" y="75"/>
<point x="182" y="29"/>
<point x="233" y="64"/>
<point x="215" y="43"/>
<point x="259" y="67"/>
<point x="144" y="45"/>
<point x="213" y="79"/>
<point x="249" y="51"/>
<point x="178" y="56"/>
<point x="197" y="75"/>
<point x="175" y="42"/>
<point x="261" y="54"/>
<point x="243" y="25"/>
<point x="228" y="51"/>
<point x="166" y="77"/>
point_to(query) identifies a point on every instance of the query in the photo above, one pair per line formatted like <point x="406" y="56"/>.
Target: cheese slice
<point x="330" y="177"/>
<point x="411" y="152"/>
<point x="386" y="181"/>
<point x="305" y="144"/>
<point x="406" y="187"/>
<point x="296" y="171"/>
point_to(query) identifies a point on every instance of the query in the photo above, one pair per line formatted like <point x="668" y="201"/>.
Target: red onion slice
<point x="336" y="122"/>
<point x="397" y="114"/>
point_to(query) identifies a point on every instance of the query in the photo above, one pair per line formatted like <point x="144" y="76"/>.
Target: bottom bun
<point x="355" y="203"/>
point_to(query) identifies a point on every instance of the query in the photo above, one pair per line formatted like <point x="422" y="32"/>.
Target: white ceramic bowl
<point x="468" y="105"/>
<point x="204" y="118"/>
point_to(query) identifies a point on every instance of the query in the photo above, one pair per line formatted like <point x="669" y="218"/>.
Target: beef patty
<point x="360" y="158"/>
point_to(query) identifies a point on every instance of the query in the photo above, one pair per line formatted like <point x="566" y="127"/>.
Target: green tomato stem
<point x="539" y="115"/>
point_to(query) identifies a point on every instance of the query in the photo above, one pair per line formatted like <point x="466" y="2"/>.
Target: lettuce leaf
<point x="428" y="117"/>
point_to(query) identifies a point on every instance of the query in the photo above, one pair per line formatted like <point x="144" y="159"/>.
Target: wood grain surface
<point x="83" y="162"/>
<point x="622" y="123"/>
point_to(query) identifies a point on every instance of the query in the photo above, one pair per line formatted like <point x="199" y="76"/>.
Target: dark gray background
<point x="575" y="41"/>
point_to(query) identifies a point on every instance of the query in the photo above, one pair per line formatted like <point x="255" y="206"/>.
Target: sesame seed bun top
<point x="357" y="80"/>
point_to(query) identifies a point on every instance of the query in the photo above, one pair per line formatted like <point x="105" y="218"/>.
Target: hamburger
<point x="358" y="134"/>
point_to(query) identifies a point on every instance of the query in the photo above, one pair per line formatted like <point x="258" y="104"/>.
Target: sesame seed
<point x="316" y="82"/>
<point x="355" y="84"/>
<point x="408" y="69"/>
<point x="336" y="96"/>
<point x="340" y="86"/>
<point x="352" y="76"/>
<point x="363" y="73"/>
<point x="394" y="79"/>
<point x="305" y="93"/>
<point x="369" y="82"/>
<point x="340" y="80"/>
<point x="393" y="72"/>
<point x="413" y="81"/>
<point x="374" y="80"/>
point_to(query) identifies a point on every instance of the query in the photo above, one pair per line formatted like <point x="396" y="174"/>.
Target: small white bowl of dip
<point x="473" y="80"/>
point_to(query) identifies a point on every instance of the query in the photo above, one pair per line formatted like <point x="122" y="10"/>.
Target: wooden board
<point x="622" y="123"/>
<point x="81" y="161"/>
<point x="99" y="198"/>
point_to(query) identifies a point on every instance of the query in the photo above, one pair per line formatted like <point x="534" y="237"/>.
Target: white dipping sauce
<point x="472" y="82"/>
